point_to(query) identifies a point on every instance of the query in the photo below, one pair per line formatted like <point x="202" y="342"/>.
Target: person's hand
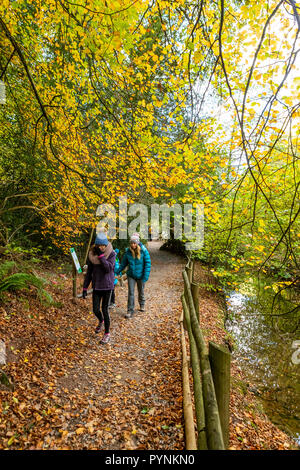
<point x="84" y="294"/>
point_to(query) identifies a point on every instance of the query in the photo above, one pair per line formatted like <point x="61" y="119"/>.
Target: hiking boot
<point x="105" y="339"/>
<point x="129" y="315"/>
<point x="112" y="306"/>
<point x="99" y="327"/>
<point x="142" y="309"/>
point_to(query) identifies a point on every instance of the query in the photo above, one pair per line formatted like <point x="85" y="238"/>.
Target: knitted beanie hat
<point x="135" y="238"/>
<point x="101" y="238"/>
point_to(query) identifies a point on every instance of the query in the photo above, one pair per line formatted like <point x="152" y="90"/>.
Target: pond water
<point x="268" y="349"/>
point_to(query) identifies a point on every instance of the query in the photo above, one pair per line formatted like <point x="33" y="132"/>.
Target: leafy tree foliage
<point x="186" y="101"/>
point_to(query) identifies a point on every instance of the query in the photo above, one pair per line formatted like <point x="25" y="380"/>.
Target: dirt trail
<point x="136" y="379"/>
<point x="71" y="392"/>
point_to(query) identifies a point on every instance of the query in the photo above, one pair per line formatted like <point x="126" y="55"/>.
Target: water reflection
<point x="264" y="348"/>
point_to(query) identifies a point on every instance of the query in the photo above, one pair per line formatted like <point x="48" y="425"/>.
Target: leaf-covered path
<point x="71" y="392"/>
<point x="136" y="380"/>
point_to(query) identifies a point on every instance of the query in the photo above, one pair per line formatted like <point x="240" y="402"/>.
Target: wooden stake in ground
<point x="190" y="438"/>
<point x="220" y="359"/>
<point x="199" y="407"/>
<point x="195" y="294"/>
<point x="74" y="275"/>
<point x="213" y="426"/>
<point x="189" y="270"/>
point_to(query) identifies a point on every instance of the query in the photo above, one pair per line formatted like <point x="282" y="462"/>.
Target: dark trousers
<point x="113" y="297"/>
<point x="103" y="313"/>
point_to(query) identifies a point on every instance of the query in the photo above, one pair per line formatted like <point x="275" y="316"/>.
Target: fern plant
<point x="6" y="268"/>
<point x="19" y="281"/>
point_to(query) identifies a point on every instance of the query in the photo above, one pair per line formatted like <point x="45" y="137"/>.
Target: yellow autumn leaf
<point x="11" y="440"/>
<point x="80" y="431"/>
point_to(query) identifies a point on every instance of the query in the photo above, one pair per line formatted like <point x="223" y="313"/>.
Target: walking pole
<point x="88" y="247"/>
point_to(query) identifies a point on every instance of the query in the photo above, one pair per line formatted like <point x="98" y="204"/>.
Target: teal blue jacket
<point x="117" y="264"/>
<point x="137" y="268"/>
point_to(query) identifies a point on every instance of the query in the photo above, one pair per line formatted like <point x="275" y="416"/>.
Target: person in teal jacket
<point x="138" y="260"/>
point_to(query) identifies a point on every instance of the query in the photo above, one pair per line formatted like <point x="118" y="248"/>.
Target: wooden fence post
<point x="195" y="294"/>
<point x="213" y="425"/>
<point x="185" y="293"/>
<point x="189" y="271"/>
<point x="220" y="359"/>
<point x="74" y="271"/>
<point x="198" y="395"/>
<point x="190" y="437"/>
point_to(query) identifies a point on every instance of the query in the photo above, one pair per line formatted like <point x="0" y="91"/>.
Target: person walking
<point x="138" y="260"/>
<point x="101" y="264"/>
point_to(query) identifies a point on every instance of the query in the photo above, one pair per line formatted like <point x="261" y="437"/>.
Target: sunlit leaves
<point x="160" y="94"/>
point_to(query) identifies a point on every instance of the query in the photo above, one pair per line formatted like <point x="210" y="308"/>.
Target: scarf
<point x="94" y="258"/>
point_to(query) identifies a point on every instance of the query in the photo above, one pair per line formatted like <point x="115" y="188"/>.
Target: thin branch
<point x="5" y="68"/>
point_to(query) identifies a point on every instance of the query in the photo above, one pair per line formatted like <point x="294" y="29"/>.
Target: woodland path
<point x="71" y="392"/>
<point x="135" y="381"/>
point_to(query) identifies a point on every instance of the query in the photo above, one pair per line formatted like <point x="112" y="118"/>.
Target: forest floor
<point x="71" y="392"/>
